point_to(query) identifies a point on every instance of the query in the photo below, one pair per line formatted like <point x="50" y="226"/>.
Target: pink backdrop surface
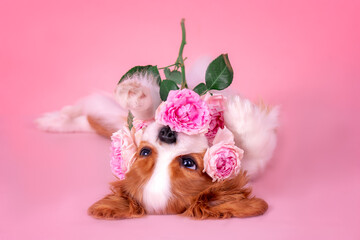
<point x="301" y="55"/>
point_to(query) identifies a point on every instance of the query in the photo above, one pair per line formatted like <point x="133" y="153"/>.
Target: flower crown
<point x="197" y="111"/>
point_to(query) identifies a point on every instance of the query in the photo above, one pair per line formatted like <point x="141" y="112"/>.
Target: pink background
<point x="302" y="55"/>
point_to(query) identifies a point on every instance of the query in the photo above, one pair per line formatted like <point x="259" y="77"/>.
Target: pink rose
<point x="123" y="151"/>
<point x="216" y="104"/>
<point x="141" y="124"/>
<point x="222" y="160"/>
<point x="184" y="111"/>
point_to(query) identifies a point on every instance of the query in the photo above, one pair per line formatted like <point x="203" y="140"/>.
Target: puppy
<point x="167" y="178"/>
<point x="167" y="174"/>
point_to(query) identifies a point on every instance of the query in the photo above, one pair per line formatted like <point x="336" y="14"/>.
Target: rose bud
<point x="216" y="104"/>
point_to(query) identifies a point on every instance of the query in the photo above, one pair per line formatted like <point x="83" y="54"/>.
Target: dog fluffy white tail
<point x="254" y="129"/>
<point x="74" y="118"/>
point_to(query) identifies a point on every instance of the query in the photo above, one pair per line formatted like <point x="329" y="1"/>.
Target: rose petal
<point x="223" y="159"/>
<point x="184" y="111"/>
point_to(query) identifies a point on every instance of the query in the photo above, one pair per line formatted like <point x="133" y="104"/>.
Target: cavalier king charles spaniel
<point x="167" y="173"/>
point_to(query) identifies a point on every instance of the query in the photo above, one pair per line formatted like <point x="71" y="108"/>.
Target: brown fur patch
<point x="195" y="195"/>
<point x="229" y="198"/>
<point x="117" y="205"/>
<point x="100" y="127"/>
<point x="126" y="198"/>
<point x="186" y="184"/>
<point x="193" y="192"/>
<point x="140" y="172"/>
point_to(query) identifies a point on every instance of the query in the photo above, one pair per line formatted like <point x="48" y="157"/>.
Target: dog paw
<point x="101" y="212"/>
<point x="203" y="212"/>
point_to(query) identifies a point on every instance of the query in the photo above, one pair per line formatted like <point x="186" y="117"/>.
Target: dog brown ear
<point x="116" y="206"/>
<point x="226" y="199"/>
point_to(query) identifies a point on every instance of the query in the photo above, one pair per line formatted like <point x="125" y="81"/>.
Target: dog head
<point x="167" y="177"/>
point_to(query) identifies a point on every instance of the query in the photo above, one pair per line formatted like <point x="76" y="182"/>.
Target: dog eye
<point x="188" y="162"/>
<point x="145" y="152"/>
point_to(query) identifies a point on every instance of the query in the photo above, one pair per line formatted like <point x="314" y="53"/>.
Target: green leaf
<point x="173" y="75"/>
<point x="200" y="89"/>
<point x="219" y="74"/>
<point x="142" y="69"/>
<point x="167" y="72"/>
<point x="165" y="87"/>
<point x="130" y="119"/>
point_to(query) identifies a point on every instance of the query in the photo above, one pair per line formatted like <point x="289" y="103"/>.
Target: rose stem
<point x="175" y="64"/>
<point x="180" y="57"/>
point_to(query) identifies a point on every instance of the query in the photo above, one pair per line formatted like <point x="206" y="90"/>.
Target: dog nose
<point x="166" y="135"/>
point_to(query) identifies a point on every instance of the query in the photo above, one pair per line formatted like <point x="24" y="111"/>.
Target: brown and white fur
<point x="158" y="183"/>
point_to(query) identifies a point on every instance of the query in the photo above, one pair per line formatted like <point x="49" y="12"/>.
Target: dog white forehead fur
<point x="157" y="190"/>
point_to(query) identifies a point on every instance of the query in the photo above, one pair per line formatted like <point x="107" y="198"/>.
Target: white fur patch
<point x="254" y="131"/>
<point x="157" y="190"/>
<point x="141" y="109"/>
<point x="69" y="119"/>
<point x="74" y="118"/>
